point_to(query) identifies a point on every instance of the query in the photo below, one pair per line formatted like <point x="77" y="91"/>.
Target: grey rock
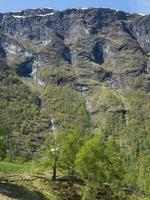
<point x="114" y="40"/>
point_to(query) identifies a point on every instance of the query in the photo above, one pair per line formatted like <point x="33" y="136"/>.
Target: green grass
<point x="15" y="167"/>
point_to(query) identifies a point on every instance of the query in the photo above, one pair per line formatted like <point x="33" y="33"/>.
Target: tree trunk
<point x="54" y="174"/>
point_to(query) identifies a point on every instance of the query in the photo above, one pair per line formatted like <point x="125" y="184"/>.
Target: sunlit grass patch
<point x="15" y="167"/>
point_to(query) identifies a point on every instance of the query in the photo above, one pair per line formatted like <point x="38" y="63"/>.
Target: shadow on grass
<point x="19" y="192"/>
<point x="70" y="179"/>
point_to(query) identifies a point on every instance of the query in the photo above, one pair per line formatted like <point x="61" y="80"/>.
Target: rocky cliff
<point x="113" y="40"/>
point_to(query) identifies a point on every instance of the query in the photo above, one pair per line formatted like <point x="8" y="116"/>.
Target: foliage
<point x="144" y="174"/>
<point x="20" y="114"/>
<point x="70" y="144"/>
<point x="4" y="134"/>
<point x="66" y="105"/>
<point x="101" y="165"/>
<point x="62" y="148"/>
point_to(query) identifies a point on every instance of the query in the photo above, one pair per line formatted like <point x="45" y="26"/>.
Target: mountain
<point x="78" y="67"/>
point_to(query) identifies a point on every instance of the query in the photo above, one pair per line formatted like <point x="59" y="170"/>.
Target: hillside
<point x="83" y="69"/>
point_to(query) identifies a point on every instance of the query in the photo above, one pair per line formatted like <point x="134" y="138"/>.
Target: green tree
<point x="62" y="148"/>
<point x="116" y="166"/>
<point x="101" y="166"/>
<point x="3" y="142"/>
<point x="52" y="152"/>
<point x="144" y="173"/>
<point x="90" y="159"/>
<point x="70" y="144"/>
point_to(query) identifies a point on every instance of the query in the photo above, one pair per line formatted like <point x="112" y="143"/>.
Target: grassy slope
<point x="26" y="182"/>
<point x="19" y="181"/>
<point x="124" y="113"/>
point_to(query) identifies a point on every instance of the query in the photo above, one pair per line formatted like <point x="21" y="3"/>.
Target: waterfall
<point x="148" y="64"/>
<point x="88" y="106"/>
<point x="36" y="80"/>
<point x="53" y="125"/>
<point x="81" y="87"/>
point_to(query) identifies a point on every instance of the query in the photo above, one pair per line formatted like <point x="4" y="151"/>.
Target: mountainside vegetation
<point x="74" y="105"/>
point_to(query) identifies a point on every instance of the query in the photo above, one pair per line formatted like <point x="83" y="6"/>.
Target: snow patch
<point x="50" y="8"/>
<point x="39" y="15"/>
<point x="16" y="11"/>
<point x="19" y="16"/>
<point x="42" y="8"/>
<point x="84" y="8"/>
<point x="44" y="15"/>
<point x="142" y="14"/>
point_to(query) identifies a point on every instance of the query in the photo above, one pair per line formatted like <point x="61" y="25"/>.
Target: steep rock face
<point x="112" y="39"/>
<point x="141" y="30"/>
